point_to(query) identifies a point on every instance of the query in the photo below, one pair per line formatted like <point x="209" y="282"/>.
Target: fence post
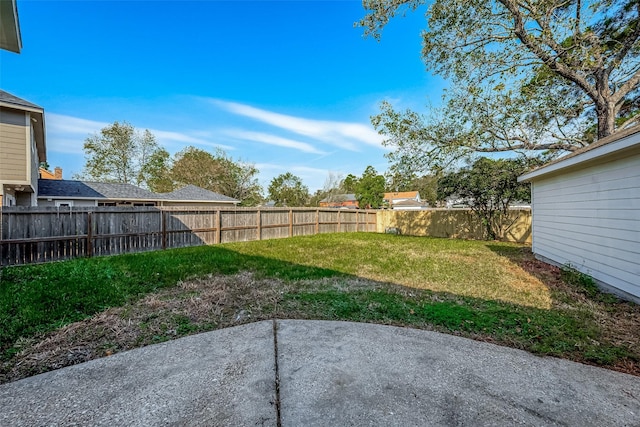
<point x="338" y="230"/>
<point x="163" y="224"/>
<point x="317" y="221"/>
<point x="259" y="225"/>
<point x="218" y="236"/>
<point x="89" y="234"/>
<point x="290" y="222"/>
<point x="357" y="220"/>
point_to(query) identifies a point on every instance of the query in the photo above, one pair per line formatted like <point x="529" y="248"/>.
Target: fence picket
<point x="44" y="234"/>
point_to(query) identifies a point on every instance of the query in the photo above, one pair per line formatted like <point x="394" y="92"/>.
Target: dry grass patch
<point x="467" y="268"/>
<point x="65" y="313"/>
<point x="192" y="306"/>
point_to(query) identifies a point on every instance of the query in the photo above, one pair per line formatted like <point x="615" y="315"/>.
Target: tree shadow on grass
<point x="37" y="301"/>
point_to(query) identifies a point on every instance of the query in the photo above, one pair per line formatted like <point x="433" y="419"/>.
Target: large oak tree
<point x="528" y="76"/>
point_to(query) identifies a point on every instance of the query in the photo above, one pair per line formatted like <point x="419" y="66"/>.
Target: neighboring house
<point x="586" y="212"/>
<point x="84" y="193"/>
<point x="340" y="201"/>
<point x="392" y="198"/>
<point x="10" y="38"/>
<point x="22" y="149"/>
<point x="47" y="174"/>
<point x="519" y="204"/>
<point x="408" y="205"/>
<point x="456" y="202"/>
<point x="192" y="196"/>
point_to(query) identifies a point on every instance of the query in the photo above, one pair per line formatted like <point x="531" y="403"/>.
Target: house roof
<point x="401" y="195"/>
<point x="621" y="140"/>
<point x="91" y="190"/>
<point x="339" y="198"/>
<point x="408" y="203"/>
<point x="193" y="193"/>
<point x="69" y="189"/>
<point x="37" y="114"/>
<point x="8" y="98"/>
<point x="10" y="38"/>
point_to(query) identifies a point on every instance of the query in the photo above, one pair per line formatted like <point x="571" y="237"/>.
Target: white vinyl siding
<point x="589" y="217"/>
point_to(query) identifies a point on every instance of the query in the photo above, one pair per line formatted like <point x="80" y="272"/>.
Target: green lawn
<point x="484" y="290"/>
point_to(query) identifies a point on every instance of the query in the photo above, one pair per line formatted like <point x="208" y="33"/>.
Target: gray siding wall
<point x="590" y="218"/>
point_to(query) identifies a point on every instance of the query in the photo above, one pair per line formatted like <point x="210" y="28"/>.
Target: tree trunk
<point x="606" y="118"/>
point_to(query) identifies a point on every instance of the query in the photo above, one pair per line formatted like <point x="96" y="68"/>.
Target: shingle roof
<point x="401" y="195"/>
<point x="408" y="202"/>
<point x="63" y="188"/>
<point x="12" y="99"/>
<point x="339" y="198"/>
<point x="86" y="189"/>
<point x="191" y="192"/>
<point x="600" y="143"/>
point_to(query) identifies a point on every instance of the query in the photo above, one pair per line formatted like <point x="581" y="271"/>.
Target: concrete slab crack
<point x="277" y="373"/>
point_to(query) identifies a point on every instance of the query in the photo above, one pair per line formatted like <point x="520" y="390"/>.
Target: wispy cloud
<point x="66" y="134"/>
<point x="271" y="167"/>
<point x="168" y="137"/>
<point x="346" y="135"/>
<point x="266" y="138"/>
<point x="61" y="124"/>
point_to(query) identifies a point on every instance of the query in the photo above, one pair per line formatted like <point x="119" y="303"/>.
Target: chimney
<point x="57" y="172"/>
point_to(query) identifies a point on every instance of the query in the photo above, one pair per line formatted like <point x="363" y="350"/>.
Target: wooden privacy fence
<point x="43" y="234"/>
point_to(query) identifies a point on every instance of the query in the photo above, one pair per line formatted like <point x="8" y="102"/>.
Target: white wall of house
<point x="588" y="216"/>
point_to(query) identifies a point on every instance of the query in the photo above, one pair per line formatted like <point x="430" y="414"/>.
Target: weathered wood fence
<point x="36" y="235"/>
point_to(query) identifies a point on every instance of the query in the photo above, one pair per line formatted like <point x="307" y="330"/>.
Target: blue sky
<point x="287" y="85"/>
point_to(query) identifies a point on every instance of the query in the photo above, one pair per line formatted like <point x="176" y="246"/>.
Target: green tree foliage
<point x="350" y="183"/>
<point x="527" y="76"/>
<point x="119" y="153"/>
<point x="157" y="172"/>
<point x="369" y="189"/>
<point x="488" y="187"/>
<point x="288" y="190"/>
<point x="216" y="172"/>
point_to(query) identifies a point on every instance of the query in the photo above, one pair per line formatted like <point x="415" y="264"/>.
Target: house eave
<point x="41" y="135"/>
<point x="21" y="107"/>
<point x="628" y="140"/>
<point x="10" y="37"/>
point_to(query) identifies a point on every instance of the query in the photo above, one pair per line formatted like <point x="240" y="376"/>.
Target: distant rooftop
<point x="87" y="189"/>
<point x="106" y="190"/>
<point x="192" y="192"/>
<point x="339" y="198"/>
